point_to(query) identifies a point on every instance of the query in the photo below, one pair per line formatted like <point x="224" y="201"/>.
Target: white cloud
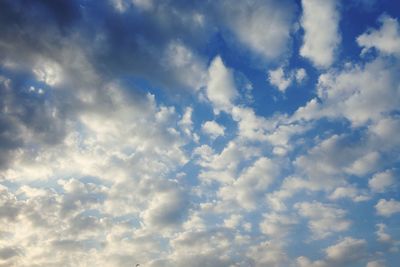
<point x="320" y="21"/>
<point x="380" y="182"/>
<point x="186" y="124"/>
<point x="128" y="135"/>
<point x="386" y="39"/>
<point x="277" y="78"/>
<point x="223" y="167"/>
<point x="251" y="127"/>
<point x="277" y="226"/>
<point x="322" y="164"/>
<point x="282" y="80"/>
<point x="167" y="208"/>
<point x="101" y="174"/>
<point x="282" y="136"/>
<point x="325" y="219"/>
<point x="364" y="164"/>
<point x="56" y="221"/>
<point x="349" y="93"/>
<point x="300" y="75"/>
<point x="382" y="235"/>
<point x="233" y="221"/>
<point x="199" y="248"/>
<point x="268" y="254"/>
<point x="387" y="208"/>
<point x="262" y="26"/>
<point x="48" y="71"/>
<point x="384" y="130"/>
<point x="351" y="192"/>
<point x="213" y="129"/>
<point x="107" y="144"/>
<point x="290" y="186"/>
<point x="221" y="90"/>
<point x="189" y="68"/>
<point x="250" y="187"/>
<point x="346" y="252"/>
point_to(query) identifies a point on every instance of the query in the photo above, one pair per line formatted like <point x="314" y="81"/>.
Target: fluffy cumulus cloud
<point x="346" y="252"/>
<point x="386" y="40"/>
<point x="249" y="188"/>
<point x="213" y="129"/>
<point x="278" y="79"/>
<point x="169" y="133"/>
<point x="320" y="21"/>
<point x="262" y="26"/>
<point x="282" y="81"/>
<point x="323" y="219"/>
<point x="382" y="181"/>
<point x="353" y="90"/>
<point x="221" y="90"/>
<point x="387" y="207"/>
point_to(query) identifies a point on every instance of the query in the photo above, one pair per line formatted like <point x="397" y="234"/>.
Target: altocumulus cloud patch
<point x="199" y="133"/>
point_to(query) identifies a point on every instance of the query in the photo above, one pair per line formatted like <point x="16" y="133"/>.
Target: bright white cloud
<point x="282" y="136"/>
<point x="199" y="248"/>
<point x="48" y="71"/>
<point x="380" y="182"/>
<point x="277" y="78"/>
<point x="213" y="129"/>
<point x="387" y="208"/>
<point x="382" y="133"/>
<point x="386" y="39"/>
<point x="250" y="187"/>
<point x="346" y="252"/>
<point x="350" y="192"/>
<point x="251" y="126"/>
<point x="282" y="80"/>
<point x="322" y="164"/>
<point x="100" y="172"/>
<point x="277" y="226"/>
<point x="268" y="254"/>
<point x="364" y="164"/>
<point x="233" y="221"/>
<point x="221" y="90"/>
<point x="262" y="26"/>
<point x="223" y="166"/>
<point x="320" y="21"/>
<point x="324" y="219"/>
<point x="186" y="123"/>
<point x="349" y="93"/>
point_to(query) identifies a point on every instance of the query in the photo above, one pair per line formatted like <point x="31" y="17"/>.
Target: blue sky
<point x="200" y="133"/>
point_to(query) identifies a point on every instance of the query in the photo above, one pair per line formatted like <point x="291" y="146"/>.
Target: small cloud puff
<point x="213" y="129"/>
<point x="282" y="80"/>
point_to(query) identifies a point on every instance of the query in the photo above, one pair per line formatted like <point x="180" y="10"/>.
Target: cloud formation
<point x="320" y="21"/>
<point x="209" y="133"/>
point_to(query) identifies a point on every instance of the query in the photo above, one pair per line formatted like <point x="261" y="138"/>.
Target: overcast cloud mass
<point x="200" y="133"/>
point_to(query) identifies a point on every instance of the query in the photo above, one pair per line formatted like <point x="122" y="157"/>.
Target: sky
<point x="212" y="133"/>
